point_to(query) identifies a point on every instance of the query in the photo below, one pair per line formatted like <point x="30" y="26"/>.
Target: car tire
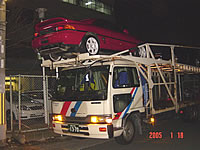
<point x="190" y="114"/>
<point x="91" y="45"/>
<point x="55" y="57"/>
<point x="128" y="133"/>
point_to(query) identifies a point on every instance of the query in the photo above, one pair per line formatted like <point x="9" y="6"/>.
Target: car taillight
<point x="60" y="28"/>
<point x="65" y="27"/>
<point x="69" y="27"/>
<point x="36" y="34"/>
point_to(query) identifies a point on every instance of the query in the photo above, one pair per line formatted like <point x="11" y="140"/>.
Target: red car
<point x="58" y="36"/>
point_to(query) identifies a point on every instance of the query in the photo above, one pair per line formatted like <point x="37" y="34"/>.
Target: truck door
<point x="125" y="85"/>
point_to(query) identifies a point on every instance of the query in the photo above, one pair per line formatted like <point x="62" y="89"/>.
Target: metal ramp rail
<point x="147" y="65"/>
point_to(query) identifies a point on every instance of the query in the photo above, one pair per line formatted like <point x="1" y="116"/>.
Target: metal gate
<point x="28" y="104"/>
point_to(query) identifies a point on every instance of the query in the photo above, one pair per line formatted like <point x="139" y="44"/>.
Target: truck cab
<point x="96" y="101"/>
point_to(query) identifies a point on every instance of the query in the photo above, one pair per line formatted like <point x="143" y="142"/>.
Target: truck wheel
<point x="194" y="114"/>
<point x="128" y="134"/>
<point x="190" y="114"/>
<point x="91" y="45"/>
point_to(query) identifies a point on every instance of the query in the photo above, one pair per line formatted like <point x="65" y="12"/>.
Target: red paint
<point x="132" y="90"/>
<point x="108" y="39"/>
<point x="65" y="108"/>
<point x="117" y="116"/>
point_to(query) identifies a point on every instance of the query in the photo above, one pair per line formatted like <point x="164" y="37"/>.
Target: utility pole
<point x="2" y="70"/>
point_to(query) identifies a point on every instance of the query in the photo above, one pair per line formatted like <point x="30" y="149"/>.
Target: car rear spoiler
<point x="53" y="21"/>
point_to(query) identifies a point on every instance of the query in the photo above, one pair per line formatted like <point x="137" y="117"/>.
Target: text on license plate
<point x="74" y="128"/>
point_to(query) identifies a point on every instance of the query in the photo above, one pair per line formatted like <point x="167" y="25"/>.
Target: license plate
<point x="74" y="128"/>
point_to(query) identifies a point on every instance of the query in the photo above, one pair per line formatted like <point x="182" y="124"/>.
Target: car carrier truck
<point x="108" y="96"/>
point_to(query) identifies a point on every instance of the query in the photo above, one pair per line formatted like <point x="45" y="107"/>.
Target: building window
<point x="70" y="1"/>
<point x="92" y="4"/>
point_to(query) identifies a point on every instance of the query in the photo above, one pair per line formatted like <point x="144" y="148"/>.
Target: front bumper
<point x="32" y="114"/>
<point x="85" y="130"/>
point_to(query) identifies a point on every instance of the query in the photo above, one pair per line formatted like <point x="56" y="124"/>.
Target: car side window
<point x="125" y="77"/>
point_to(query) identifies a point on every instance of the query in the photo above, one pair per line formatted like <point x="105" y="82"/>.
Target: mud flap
<point x="110" y="131"/>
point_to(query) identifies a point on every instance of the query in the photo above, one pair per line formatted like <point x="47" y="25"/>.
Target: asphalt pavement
<point x="171" y="134"/>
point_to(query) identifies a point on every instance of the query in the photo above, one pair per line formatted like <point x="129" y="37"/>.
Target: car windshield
<point x="15" y="97"/>
<point x="82" y="84"/>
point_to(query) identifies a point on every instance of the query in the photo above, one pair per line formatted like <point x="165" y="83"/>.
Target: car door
<point x="126" y="92"/>
<point x="104" y="34"/>
<point x="122" y="40"/>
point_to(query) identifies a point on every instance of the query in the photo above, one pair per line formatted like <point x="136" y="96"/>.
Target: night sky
<point x="158" y="21"/>
<point x="165" y="21"/>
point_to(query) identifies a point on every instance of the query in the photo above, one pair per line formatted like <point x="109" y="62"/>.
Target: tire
<point x="194" y="113"/>
<point x="55" y="57"/>
<point x="91" y="45"/>
<point x="128" y="134"/>
<point x="190" y="114"/>
<point x="142" y="52"/>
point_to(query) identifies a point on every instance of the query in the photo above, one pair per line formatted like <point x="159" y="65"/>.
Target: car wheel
<point x="55" y="57"/>
<point x="91" y="45"/>
<point x="142" y="52"/>
<point x="128" y="133"/>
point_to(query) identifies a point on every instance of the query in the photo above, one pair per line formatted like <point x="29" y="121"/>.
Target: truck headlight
<point x="100" y="119"/>
<point x="108" y="120"/>
<point x="60" y="118"/>
<point x="94" y="119"/>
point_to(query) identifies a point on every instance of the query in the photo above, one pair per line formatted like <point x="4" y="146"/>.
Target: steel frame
<point x="148" y="63"/>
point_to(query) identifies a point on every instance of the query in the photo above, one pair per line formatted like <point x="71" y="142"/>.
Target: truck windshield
<point x="82" y="84"/>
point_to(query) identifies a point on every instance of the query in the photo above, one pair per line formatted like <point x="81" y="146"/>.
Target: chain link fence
<point x="28" y="105"/>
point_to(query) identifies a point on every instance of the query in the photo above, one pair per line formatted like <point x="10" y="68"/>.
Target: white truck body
<point x="128" y="92"/>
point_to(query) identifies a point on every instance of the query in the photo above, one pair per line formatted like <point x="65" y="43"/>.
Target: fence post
<point x="44" y="95"/>
<point x="19" y="103"/>
<point x="47" y="97"/>
<point x="11" y="105"/>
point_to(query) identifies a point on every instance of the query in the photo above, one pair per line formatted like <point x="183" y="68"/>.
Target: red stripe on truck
<point x="65" y="108"/>
<point x="117" y="116"/>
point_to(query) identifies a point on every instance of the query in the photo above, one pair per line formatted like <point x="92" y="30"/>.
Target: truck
<point x="110" y="96"/>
